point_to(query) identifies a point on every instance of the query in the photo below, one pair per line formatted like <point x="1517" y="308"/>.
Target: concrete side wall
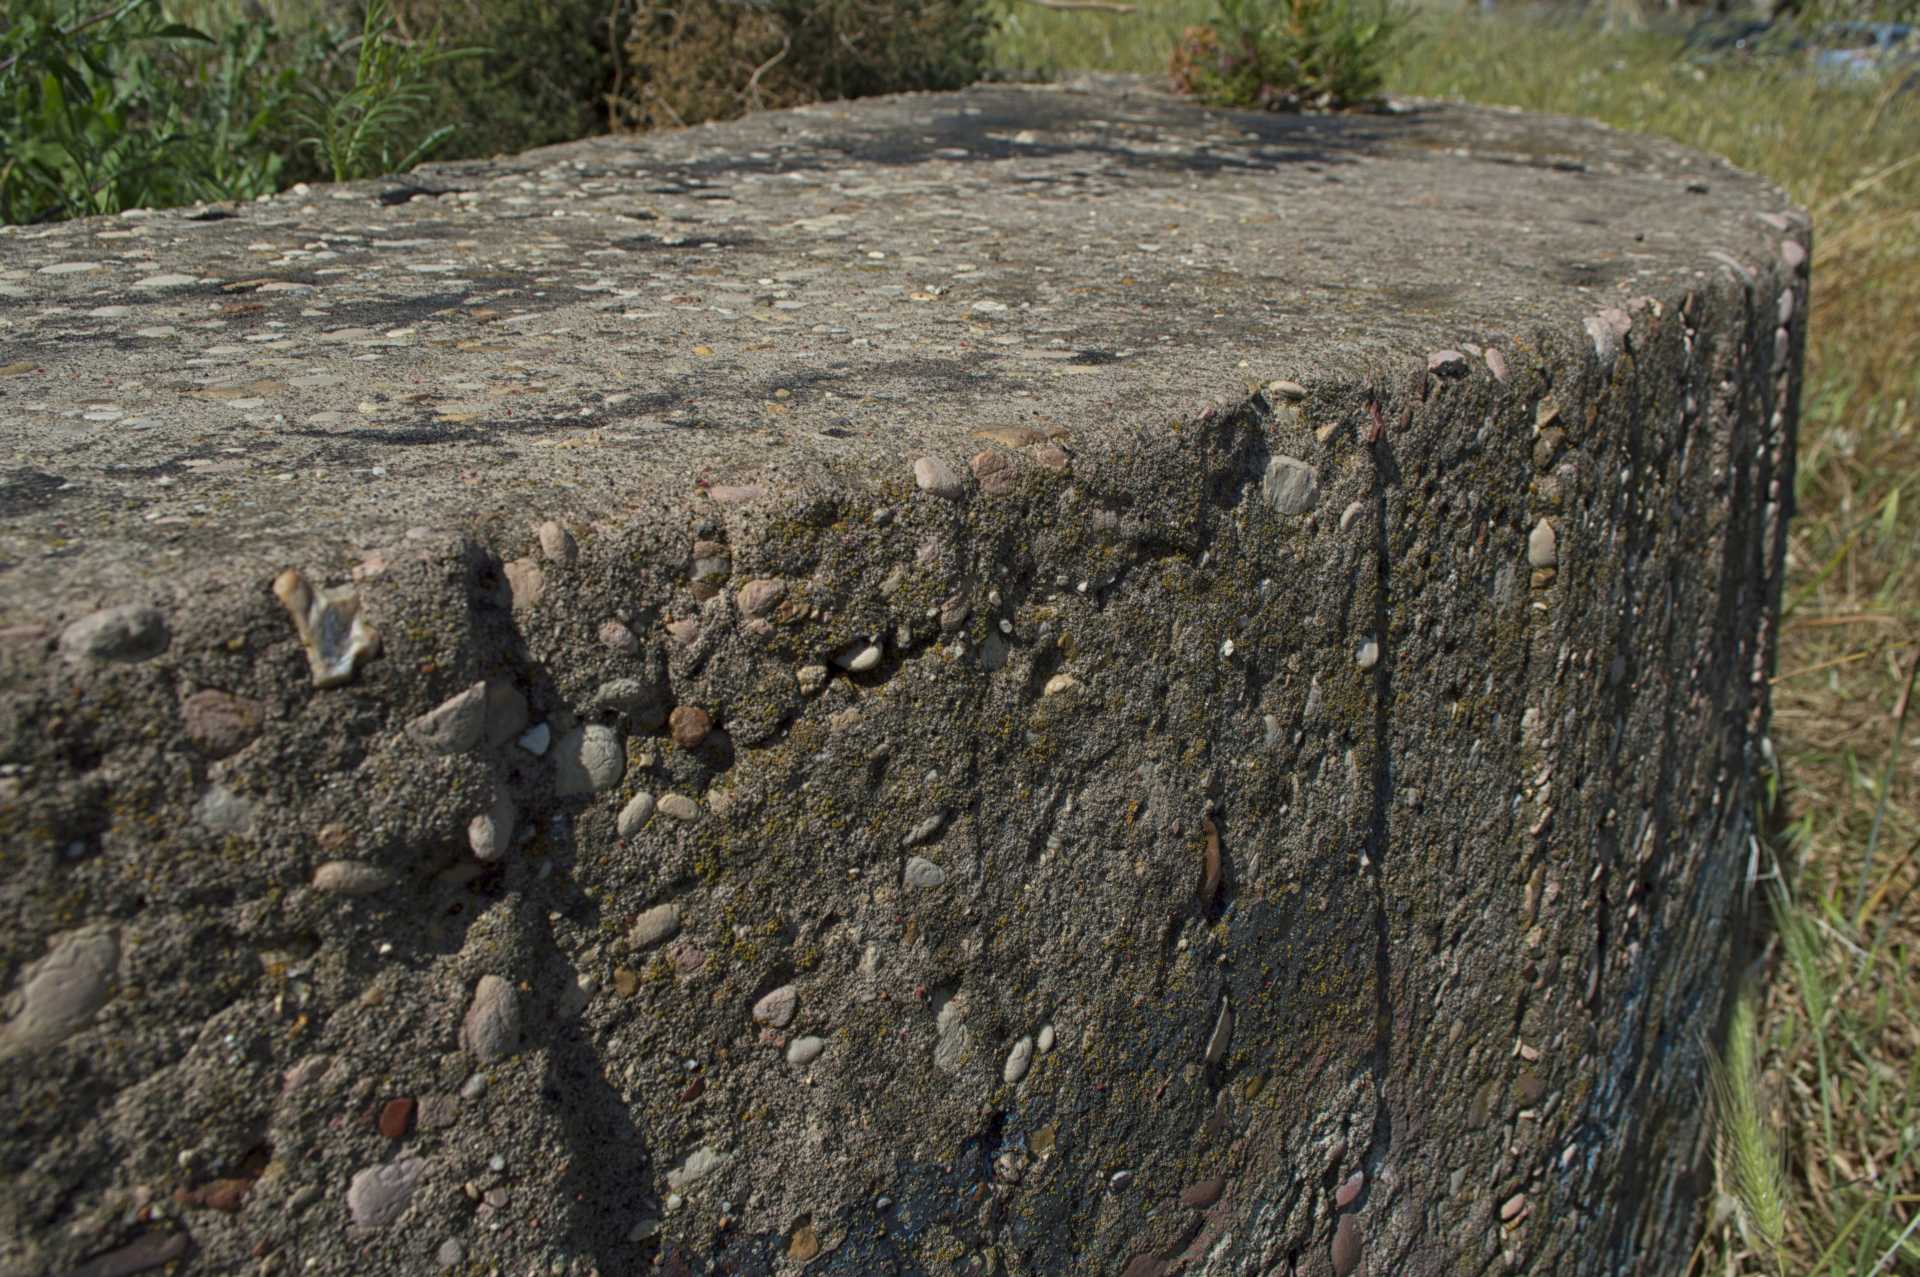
<point x="1253" y="846"/>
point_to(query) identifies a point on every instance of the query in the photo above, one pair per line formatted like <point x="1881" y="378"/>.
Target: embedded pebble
<point x="701" y="1163"/>
<point x="1204" y="1193"/>
<point x="618" y="638"/>
<point x="1793" y="253"/>
<point x="937" y="477"/>
<point x="1349" y="1190"/>
<point x="506" y="712"/>
<point x="536" y="739"/>
<point x="491" y="1030"/>
<point x="858" y="658"/>
<point x="812" y="679"/>
<point x="526" y="583"/>
<point x="451" y="1254"/>
<point x="1290" y="485"/>
<point x="1346" y="1246"/>
<point x="1019" y="1060"/>
<point x="351" y="878"/>
<point x="221" y="811"/>
<point x="777" y="1008"/>
<point x="758" y="597"/>
<point x="925" y="830"/>
<point x="220" y="723"/>
<point x="1543" y="550"/>
<point x="475" y="1087"/>
<point x="689" y="725"/>
<point x="634" y="815"/>
<point x="329" y="625"/>
<point x="1496" y="364"/>
<point x="1447" y="363"/>
<point x="557" y="544"/>
<point x="1046" y="1038"/>
<point x="1353" y="511"/>
<point x="1066" y="682"/>
<point x="1120" y="1180"/>
<point x="1222" y="1034"/>
<point x="589" y="759"/>
<point x="1511" y="1209"/>
<point x="437" y="1112"/>
<point x="1369" y="654"/>
<point x="953" y="1049"/>
<point x="678" y="806"/>
<point x="396" y="1116"/>
<point x="643" y="704"/>
<point x="454" y="726"/>
<point x="921" y="872"/>
<point x="59" y="993"/>
<point x="804" y="1051"/>
<point x="1292" y="391"/>
<point x="379" y="1194"/>
<point x="129" y="633"/>
<point x="662" y="922"/>
<point x="491" y="833"/>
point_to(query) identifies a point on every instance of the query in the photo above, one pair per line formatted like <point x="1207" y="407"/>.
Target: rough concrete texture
<point x="1028" y="681"/>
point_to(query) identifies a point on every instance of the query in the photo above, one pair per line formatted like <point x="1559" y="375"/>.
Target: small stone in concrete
<point x="1019" y="1060"/>
<point x="616" y="637"/>
<point x="221" y="811"/>
<point x="937" y="477"/>
<point x="351" y="878"/>
<point x="379" y="1194"/>
<point x="812" y="679"/>
<point x="858" y="658"/>
<point x="589" y="759"/>
<point x="756" y="598"/>
<point x="1222" y="1034"/>
<point x="557" y="544"/>
<point x="454" y="726"/>
<point x="1046" y="1038"/>
<point x="396" y="1118"/>
<point x="804" y="1051"/>
<point x="634" y="816"/>
<point x="1543" y="549"/>
<point x="662" y="922"/>
<point x="689" y="725"/>
<point x="1290" y="486"/>
<point x="336" y="637"/>
<point x="1291" y="391"/>
<point x="506" y="712"/>
<point x="1346" y="1246"/>
<point x="129" y="633"/>
<point x="491" y="1030"/>
<point x="1512" y="1208"/>
<point x="1496" y="364"/>
<point x="679" y="806"/>
<point x="1349" y="1190"/>
<point x="59" y="994"/>
<point x="953" y="1049"/>
<point x="491" y="833"/>
<point x="220" y="723"/>
<point x="1204" y="1193"/>
<point x="923" y="873"/>
<point x="451" y="1254"/>
<point x="777" y="1008"/>
<point x="701" y="1163"/>
<point x="925" y="830"/>
<point x="526" y="583"/>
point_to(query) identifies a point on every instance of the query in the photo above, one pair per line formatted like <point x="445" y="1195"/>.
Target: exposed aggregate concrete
<point x="1026" y="681"/>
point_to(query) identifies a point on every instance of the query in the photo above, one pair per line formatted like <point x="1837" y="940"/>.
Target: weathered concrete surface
<point x="862" y="724"/>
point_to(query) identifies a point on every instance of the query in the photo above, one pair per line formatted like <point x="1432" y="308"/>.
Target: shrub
<point x="695" y="60"/>
<point x="1288" y="55"/>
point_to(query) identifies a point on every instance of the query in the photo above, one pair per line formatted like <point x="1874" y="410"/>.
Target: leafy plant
<point x="694" y="60"/>
<point x="1289" y="55"/>
<point x="357" y="130"/>
<point x="78" y="136"/>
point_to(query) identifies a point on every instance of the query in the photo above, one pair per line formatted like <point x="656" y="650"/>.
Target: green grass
<point x="1819" y="1120"/>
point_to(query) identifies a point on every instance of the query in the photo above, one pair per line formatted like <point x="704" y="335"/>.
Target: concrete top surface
<point x="810" y="298"/>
